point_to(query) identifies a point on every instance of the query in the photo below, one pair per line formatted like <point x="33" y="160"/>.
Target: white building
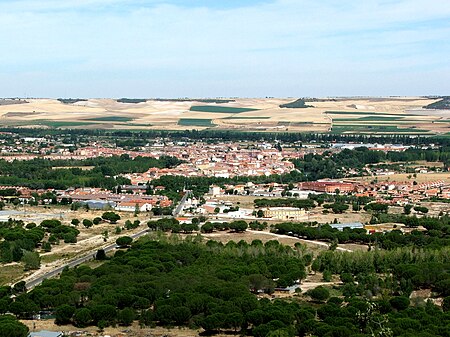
<point x="129" y="206"/>
<point x="214" y="190"/>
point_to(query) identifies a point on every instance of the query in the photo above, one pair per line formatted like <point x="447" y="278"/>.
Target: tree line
<point x="138" y="136"/>
<point x="436" y="235"/>
<point x="40" y="173"/>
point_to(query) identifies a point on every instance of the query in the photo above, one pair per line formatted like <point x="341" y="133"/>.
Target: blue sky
<point x="207" y="48"/>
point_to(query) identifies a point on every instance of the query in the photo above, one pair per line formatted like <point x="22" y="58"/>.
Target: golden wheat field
<point x="340" y="115"/>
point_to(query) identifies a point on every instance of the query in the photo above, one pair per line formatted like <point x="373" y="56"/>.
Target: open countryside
<point x="402" y="115"/>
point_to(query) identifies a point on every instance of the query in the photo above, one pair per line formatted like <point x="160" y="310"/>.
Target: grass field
<point x="195" y="122"/>
<point x="10" y="273"/>
<point x="111" y="119"/>
<point x="219" y="109"/>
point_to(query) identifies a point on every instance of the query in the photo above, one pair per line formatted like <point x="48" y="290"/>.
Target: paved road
<point x="90" y="256"/>
<point x="180" y="206"/>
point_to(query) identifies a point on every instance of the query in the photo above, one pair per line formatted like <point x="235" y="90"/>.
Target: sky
<point x="228" y="48"/>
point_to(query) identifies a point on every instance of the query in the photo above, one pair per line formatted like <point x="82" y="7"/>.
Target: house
<point x="184" y="220"/>
<point x="285" y="213"/>
<point x="214" y="190"/>
<point x="131" y="206"/>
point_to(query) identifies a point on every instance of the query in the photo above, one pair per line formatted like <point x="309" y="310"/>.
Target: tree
<point x="407" y="209"/>
<point x="46" y="246"/>
<point x="97" y="220"/>
<point x="399" y="302"/>
<point x="333" y="244"/>
<point x="216" y="210"/>
<point x="319" y="293"/>
<point x="63" y="314"/>
<point x="126" y="316"/>
<point x="260" y="213"/>
<point x="105" y="312"/>
<point x="327" y="275"/>
<point x="82" y="317"/>
<point x="337" y="208"/>
<point x="181" y="315"/>
<point x="75" y="222"/>
<point x="421" y="209"/>
<point x="377" y="207"/>
<point x="207" y="227"/>
<point x="101" y="255"/>
<point x="111" y="217"/>
<point x="446" y="304"/>
<point x="213" y="322"/>
<point x="234" y="320"/>
<point x="239" y="226"/>
<point x="31" y="260"/>
<point x="11" y="327"/>
<point x="19" y="287"/>
<point x="87" y="223"/>
<point x="69" y="238"/>
<point x="124" y="241"/>
<point x="137" y="210"/>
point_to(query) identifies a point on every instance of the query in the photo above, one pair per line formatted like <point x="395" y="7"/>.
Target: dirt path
<point x="319" y="243"/>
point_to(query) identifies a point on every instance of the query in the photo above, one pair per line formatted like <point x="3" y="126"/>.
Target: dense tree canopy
<point x="214" y="286"/>
<point x="40" y="173"/>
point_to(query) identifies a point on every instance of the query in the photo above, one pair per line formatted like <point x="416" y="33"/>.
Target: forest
<point x="228" y="287"/>
<point x="298" y="104"/>
<point x="131" y="100"/>
<point x="444" y="103"/>
<point x="436" y="236"/>
<point x="71" y="100"/>
<point x="19" y="241"/>
<point x="335" y="165"/>
<point x="40" y="173"/>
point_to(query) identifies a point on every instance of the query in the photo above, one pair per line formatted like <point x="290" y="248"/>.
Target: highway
<point x="90" y="256"/>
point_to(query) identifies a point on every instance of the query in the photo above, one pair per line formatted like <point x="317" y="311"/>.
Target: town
<point x="77" y="198"/>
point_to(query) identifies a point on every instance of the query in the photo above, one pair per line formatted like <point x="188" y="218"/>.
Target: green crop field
<point x="371" y="113"/>
<point x="111" y="119"/>
<point x="373" y="129"/>
<point x="195" y="122"/>
<point x="219" y="109"/>
<point x="58" y="124"/>
<point x="238" y="117"/>
<point x="369" y="119"/>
